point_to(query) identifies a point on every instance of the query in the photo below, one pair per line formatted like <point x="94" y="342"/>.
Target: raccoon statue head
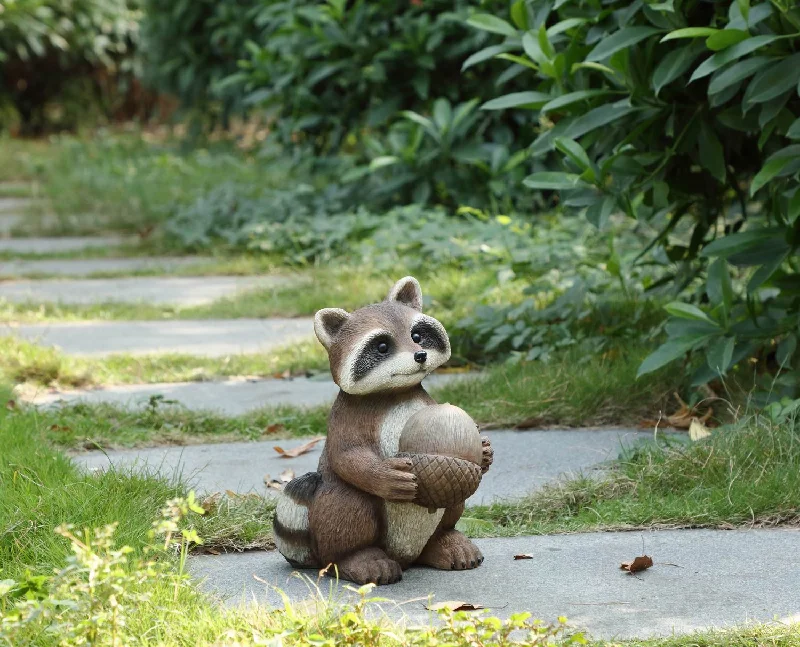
<point x="383" y="347"/>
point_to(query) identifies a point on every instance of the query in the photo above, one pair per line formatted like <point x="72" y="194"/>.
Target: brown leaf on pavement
<point x="455" y="605"/>
<point x="641" y="563"/>
<point x="296" y="451"/>
<point x="523" y="556"/>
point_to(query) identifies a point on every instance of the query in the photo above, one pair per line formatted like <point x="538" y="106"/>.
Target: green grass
<point x="745" y="474"/>
<point x="25" y="363"/>
<point x="572" y="389"/>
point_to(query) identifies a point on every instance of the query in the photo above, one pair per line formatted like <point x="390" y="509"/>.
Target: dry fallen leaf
<point x="274" y="428"/>
<point x="682" y="418"/>
<point x="296" y="451"/>
<point x="697" y="430"/>
<point x="59" y="428"/>
<point x="11" y="405"/>
<point x="286" y="475"/>
<point x="523" y="556"/>
<point x="210" y="502"/>
<point x="231" y="494"/>
<point x="287" y="374"/>
<point x="454" y="605"/>
<point x="641" y="563"/>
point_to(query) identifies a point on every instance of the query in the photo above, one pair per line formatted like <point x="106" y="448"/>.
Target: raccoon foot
<point x="450" y="551"/>
<point x="370" y="565"/>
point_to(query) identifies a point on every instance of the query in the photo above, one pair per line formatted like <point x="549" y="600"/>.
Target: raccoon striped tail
<point x="291" y="520"/>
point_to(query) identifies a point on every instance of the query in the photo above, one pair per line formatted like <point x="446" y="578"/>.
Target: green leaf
<point x="793" y="212"/>
<point x="744" y="8"/>
<point x="720" y="354"/>
<point x="484" y="55"/>
<point x="570" y="98"/>
<point x="622" y="39"/>
<point x="786" y="349"/>
<point x="667" y="353"/>
<point x="687" y="311"/>
<point x="530" y="43"/>
<point x="731" y="54"/>
<point x="673" y="65"/>
<point x="552" y="180"/>
<point x="763" y="273"/>
<point x="712" y="155"/>
<point x="544" y="43"/>
<point x="719" y="287"/>
<point x="575" y="152"/>
<point x="565" y="25"/>
<point x="774" y="81"/>
<point x="725" y="39"/>
<point x="599" y="213"/>
<point x="690" y="32"/>
<point x="739" y="242"/>
<point x="519" y="14"/>
<point x="593" y="66"/>
<point x="488" y="22"/>
<point x="794" y="130"/>
<point x="442" y="114"/>
<point x="737" y="72"/>
<point x="383" y="161"/>
<point x="528" y="99"/>
<point x="519" y="60"/>
<point x="767" y="172"/>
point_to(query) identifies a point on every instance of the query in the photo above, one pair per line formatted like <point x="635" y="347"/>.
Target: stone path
<point x="184" y="291"/>
<point x="207" y="338"/>
<point x="524" y="460"/>
<point x="229" y="397"/>
<point x="87" y="267"/>
<point x="701" y="579"/>
<point x="58" y="245"/>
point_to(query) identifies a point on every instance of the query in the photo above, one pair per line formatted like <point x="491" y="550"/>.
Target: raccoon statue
<point x="355" y="511"/>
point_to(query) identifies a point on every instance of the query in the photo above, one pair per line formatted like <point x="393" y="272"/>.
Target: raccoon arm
<point x="362" y="468"/>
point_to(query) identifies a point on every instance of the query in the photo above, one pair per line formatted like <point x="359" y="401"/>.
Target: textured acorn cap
<point x="443" y="481"/>
<point x="445" y="430"/>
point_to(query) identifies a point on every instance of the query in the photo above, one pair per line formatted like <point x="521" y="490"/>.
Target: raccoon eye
<point x="383" y="348"/>
<point x="416" y="337"/>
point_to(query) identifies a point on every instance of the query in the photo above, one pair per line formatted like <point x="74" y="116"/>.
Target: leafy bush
<point x="680" y="115"/>
<point x="60" y="59"/>
<point x="329" y="69"/>
<point x="190" y="46"/>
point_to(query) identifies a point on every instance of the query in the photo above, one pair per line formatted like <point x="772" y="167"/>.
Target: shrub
<point x="329" y="69"/>
<point x="189" y="47"/>
<point x="63" y="61"/>
<point x="682" y="116"/>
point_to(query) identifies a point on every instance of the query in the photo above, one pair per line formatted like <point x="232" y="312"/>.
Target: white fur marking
<point x="409" y="526"/>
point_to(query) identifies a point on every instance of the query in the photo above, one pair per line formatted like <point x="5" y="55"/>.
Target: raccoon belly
<point x="408" y="529"/>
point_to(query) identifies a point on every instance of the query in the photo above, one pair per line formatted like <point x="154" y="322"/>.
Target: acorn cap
<point x="443" y="481"/>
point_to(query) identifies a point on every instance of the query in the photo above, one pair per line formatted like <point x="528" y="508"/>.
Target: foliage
<point x="59" y="58"/>
<point x="189" y="47"/>
<point x="680" y="115"/>
<point x="368" y="59"/>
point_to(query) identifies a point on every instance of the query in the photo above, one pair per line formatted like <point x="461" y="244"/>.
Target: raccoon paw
<point x="451" y="551"/>
<point x="371" y="565"/>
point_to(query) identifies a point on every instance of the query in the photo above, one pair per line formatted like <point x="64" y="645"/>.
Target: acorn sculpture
<point x="444" y="446"/>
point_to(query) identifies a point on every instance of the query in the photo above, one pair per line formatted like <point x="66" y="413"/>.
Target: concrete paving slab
<point x="523" y="460"/>
<point x="8" y="221"/>
<point x="722" y="578"/>
<point x="18" y="205"/>
<point x="87" y="267"/>
<point x="228" y="397"/>
<point x="206" y="338"/>
<point x="59" y="244"/>
<point x="185" y="291"/>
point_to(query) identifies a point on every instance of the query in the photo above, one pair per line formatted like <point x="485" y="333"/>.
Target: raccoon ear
<point x="327" y="323"/>
<point x="408" y="292"/>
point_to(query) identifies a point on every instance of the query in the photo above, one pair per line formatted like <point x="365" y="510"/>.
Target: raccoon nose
<point x="420" y="356"/>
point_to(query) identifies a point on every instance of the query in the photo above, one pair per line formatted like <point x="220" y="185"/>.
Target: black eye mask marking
<point x="431" y="337"/>
<point x="371" y="356"/>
